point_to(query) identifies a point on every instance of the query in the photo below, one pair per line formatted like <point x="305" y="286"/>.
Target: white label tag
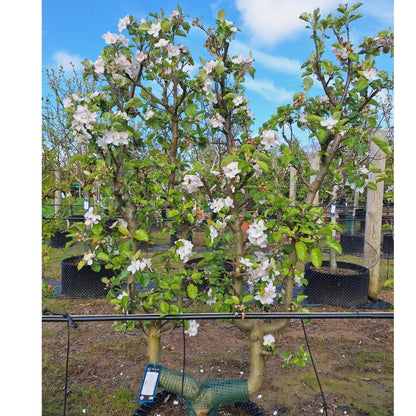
<point x="149" y="383"/>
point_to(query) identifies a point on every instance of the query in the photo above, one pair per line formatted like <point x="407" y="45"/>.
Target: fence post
<point x="314" y="165"/>
<point x="58" y="195"/>
<point x="373" y="217"/>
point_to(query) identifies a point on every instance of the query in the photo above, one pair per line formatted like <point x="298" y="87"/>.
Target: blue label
<point x="149" y="383"/>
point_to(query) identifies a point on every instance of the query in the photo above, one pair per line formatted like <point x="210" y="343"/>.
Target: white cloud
<point x="64" y="59"/>
<point x="275" y="63"/>
<point x="270" y="21"/>
<point x="268" y="90"/>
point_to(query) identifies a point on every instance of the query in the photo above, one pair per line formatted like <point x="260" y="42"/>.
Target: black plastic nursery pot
<point x="352" y="244"/>
<point x="348" y="287"/>
<point x="59" y="239"/>
<point x="82" y="283"/>
<point x="388" y="244"/>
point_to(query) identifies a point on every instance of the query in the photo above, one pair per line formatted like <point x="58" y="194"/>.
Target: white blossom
<point x="174" y="15"/>
<point x="89" y="257"/>
<point x="184" y="250"/>
<point x="267" y="294"/>
<point x="231" y="170"/>
<point x="91" y="218"/>
<point x="211" y="299"/>
<point x="371" y="74"/>
<point x="193" y="328"/>
<point x="155" y="29"/>
<point x="173" y="51"/>
<point x="268" y="340"/>
<point x="141" y="56"/>
<point x="210" y="66"/>
<point x="83" y="118"/>
<point x="115" y="137"/>
<point x="149" y="114"/>
<point x="329" y="123"/>
<point x="238" y="100"/>
<point x="270" y="139"/>
<point x="139" y="265"/>
<point x="256" y="233"/>
<point x="213" y="233"/>
<point x="122" y="23"/>
<point x="217" y="121"/>
<point x="122" y="295"/>
<point x="162" y="43"/>
<point x="191" y="183"/>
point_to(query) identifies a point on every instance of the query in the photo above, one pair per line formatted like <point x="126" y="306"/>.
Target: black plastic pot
<point x="205" y="285"/>
<point x="82" y="283"/>
<point x="388" y="244"/>
<point x="348" y="287"/>
<point x="352" y="244"/>
<point x="59" y="239"/>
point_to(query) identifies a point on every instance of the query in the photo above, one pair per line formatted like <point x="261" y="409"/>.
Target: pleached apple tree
<point x="147" y="130"/>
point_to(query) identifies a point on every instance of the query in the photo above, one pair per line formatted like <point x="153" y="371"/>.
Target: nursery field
<point x="354" y="359"/>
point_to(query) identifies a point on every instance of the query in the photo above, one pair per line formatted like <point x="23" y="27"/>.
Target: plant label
<point x="149" y="383"/>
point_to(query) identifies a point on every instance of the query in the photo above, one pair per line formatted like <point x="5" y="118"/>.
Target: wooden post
<point x="314" y="165"/>
<point x="292" y="184"/>
<point x="373" y="218"/>
<point x="58" y="195"/>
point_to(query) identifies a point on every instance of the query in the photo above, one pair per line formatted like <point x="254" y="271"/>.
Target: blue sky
<point x="270" y="29"/>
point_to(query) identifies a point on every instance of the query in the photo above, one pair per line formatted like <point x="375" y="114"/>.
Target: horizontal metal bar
<point x="203" y="316"/>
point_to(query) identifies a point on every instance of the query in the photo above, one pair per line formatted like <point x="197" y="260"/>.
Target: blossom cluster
<point x="217" y="204"/>
<point x="256" y="234"/>
<point x="184" y="249"/>
<point x="261" y="277"/>
<point x="193" y="328"/>
<point x="91" y="218"/>
<point x="140" y="265"/>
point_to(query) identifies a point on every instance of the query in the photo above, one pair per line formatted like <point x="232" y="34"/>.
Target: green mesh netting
<point x="212" y="393"/>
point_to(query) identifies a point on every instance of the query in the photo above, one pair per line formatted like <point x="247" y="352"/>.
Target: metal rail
<point x="202" y="316"/>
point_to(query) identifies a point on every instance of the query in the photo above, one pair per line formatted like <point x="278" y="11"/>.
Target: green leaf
<point x="96" y="267"/>
<point x="141" y="235"/>
<point x="334" y="245"/>
<point x="172" y="213"/>
<point x="313" y="117"/>
<point x="307" y="83"/>
<point x="221" y="14"/>
<point x="247" y="298"/>
<point x="123" y="230"/>
<point x="103" y="257"/>
<point x="81" y="264"/>
<point x="164" y="307"/>
<point x="372" y="186"/>
<point x="362" y="83"/>
<point x="133" y="102"/>
<point x="301" y="251"/>
<point x="382" y="144"/>
<point x="191" y="110"/>
<point x="192" y="291"/>
<point x="263" y="166"/>
<point x="316" y="257"/>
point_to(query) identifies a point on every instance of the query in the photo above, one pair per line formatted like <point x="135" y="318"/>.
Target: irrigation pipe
<point x="203" y="316"/>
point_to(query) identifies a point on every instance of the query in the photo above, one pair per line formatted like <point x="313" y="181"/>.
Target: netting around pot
<point x="84" y="282"/>
<point x="352" y="244"/>
<point x="212" y="393"/>
<point x="347" y="287"/>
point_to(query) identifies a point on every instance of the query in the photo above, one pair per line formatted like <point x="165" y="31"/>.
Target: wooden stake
<point x="373" y="218"/>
